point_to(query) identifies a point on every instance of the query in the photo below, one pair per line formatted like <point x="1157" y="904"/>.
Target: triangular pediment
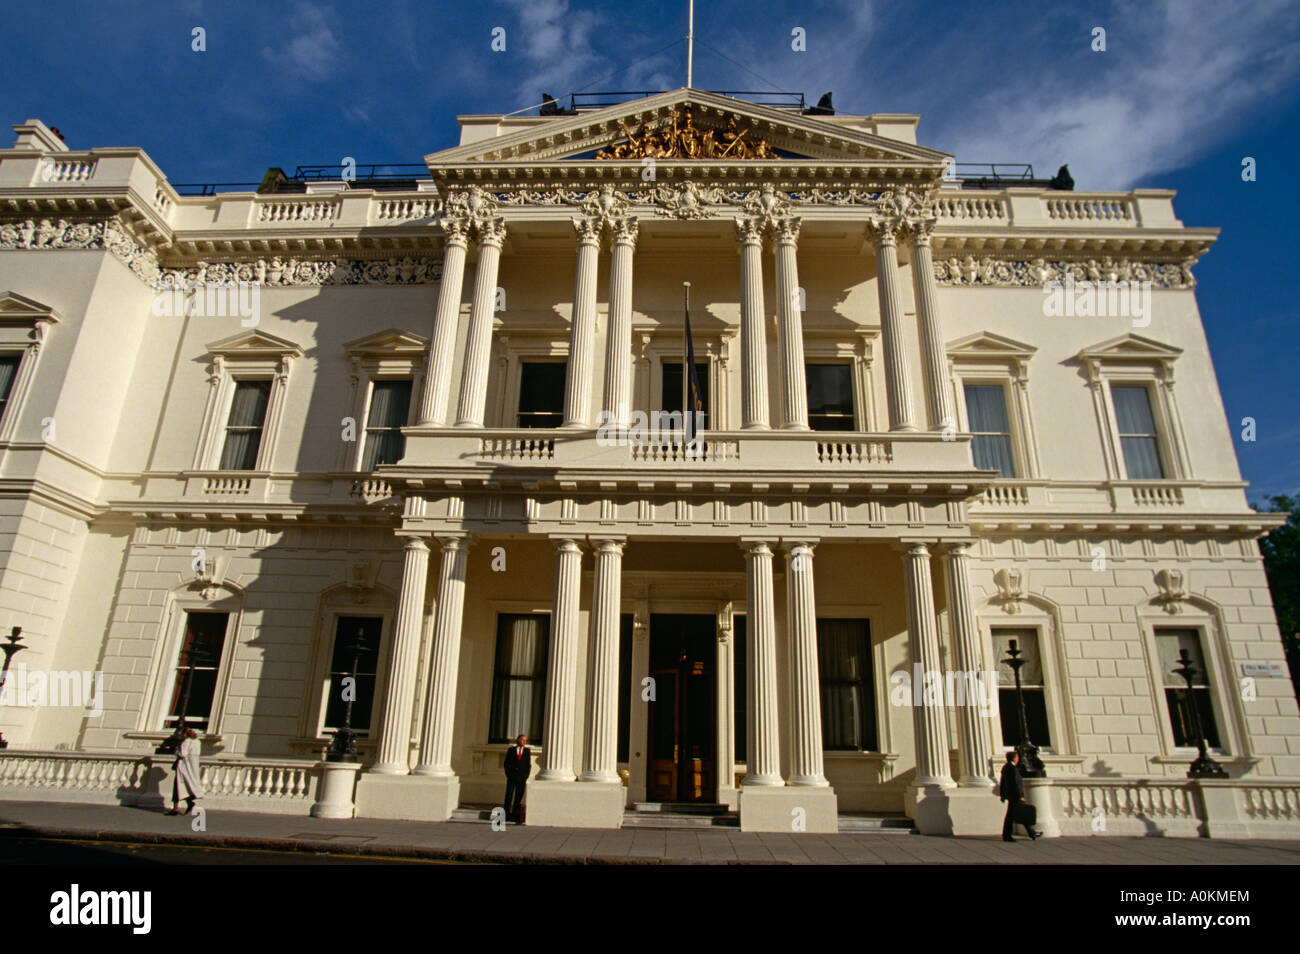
<point x="716" y="120"/>
<point x="255" y="344"/>
<point x="1131" y="347"/>
<point x="988" y="344"/>
<point x="390" y="341"/>
<point x="19" y="309"/>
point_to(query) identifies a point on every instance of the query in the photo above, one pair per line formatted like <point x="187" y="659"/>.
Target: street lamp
<point x="344" y="746"/>
<point x="197" y="656"/>
<point x="1204" y="766"/>
<point x="9" y="648"/>
<point x="1031" y="766"/>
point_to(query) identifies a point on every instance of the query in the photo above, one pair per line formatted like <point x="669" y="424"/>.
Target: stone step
<point x="672" y="820"/>
<point x="884" y="824"/>
<point x="679" y="808"/>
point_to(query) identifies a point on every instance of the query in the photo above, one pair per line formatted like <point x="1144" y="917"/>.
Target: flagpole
<point x="690" y="45"/>
<point x="687" y="432"/>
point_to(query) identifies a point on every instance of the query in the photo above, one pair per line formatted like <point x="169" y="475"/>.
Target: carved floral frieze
<point x="1038" y="272"/>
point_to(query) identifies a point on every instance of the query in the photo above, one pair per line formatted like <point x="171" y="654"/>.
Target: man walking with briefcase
<point x="1012" y="790"/>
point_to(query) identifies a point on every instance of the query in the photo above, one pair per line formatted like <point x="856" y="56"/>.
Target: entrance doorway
<point x="683" y="714"/>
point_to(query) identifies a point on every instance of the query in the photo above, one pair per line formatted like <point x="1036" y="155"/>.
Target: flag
<point x="693" y="407"/>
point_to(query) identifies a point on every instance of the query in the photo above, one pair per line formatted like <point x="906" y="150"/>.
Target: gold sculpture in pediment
<point x="685" y="140"/>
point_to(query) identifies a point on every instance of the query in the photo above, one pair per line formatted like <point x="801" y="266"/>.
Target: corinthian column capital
<point x="624" y="231"/>
<point x="492" y="231"/>
<point x="455" y="229"/>
<point x="587" y="229"/>
<point x="749" y="230"/>
<point x="786" y="230"/>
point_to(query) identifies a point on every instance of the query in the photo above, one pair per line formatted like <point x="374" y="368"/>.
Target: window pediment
<point x="255" y="345"/>
<point x="24" y="320"/>
<point x="392" y="342"/>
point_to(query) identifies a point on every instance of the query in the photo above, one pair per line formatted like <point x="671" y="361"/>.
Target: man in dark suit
<point x="1012" y="790"/>
<point x="519" y="765"/>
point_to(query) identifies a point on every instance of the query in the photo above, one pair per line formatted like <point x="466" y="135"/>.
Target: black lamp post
<point x="1204" y="766"/>
<point x="1031" y="766"/>
<point x="197" y="656"/>
<point x="9" y="648"/>
<point x="344" y="746"/>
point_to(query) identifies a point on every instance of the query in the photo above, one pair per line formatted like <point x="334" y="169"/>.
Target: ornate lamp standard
<point x="344" y="746"/>
<point x="197" y="656"/>
<point x="1204" y="766"/>
<point x="9" y="648"/>
<point x="1031" y="766"/>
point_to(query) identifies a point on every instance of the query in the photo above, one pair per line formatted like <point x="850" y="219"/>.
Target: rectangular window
<point x="244" y="427"/>
<point x="624" y="684"/>
<point x="356" y="642"/>
<point x="8" y="371"/>
<point x="986" y="410"/>
<point x="740" y="688"/>
<point x="1168" y="643"/>
<point x="847" y="685"/>
<point x="1137" y="432"/>
<point x="195" y="683"/>
<point x="672" y="390"/>
<point x="390" y="403"/>
<point x="519" y="677"/>
<point x="541" y="394"/>
<point x="1031" y="682"/>
<point x="830" y="397"/>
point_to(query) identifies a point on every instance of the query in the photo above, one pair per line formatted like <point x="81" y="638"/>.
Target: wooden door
<point x="665" y="750"/>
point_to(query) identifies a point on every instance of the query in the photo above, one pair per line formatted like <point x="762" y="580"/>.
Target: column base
<point x="931" y="808"/>
<point x="1038" y="792"/>
<point x="957" y="811"/>
<point x="729" y="796"/>
<point x="574" y="804"/>
<point x="788" y="808"/>
<point x="334" y="797"/>
<point x="412" y="797"/>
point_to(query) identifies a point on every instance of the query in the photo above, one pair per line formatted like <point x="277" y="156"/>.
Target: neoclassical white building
<point x="255" y="443"/>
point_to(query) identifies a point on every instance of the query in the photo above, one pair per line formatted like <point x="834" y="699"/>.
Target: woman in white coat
<point x="188" y="782"/>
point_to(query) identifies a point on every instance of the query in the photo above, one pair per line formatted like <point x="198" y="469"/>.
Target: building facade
<point x="409" y="457"/>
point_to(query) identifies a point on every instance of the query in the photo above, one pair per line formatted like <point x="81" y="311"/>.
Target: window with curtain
<point x="847" y="685"/>
<point x="1031" y="681"/>
<point x="350" y="634"/>
<point x="541" y="394"/>
<point x="390" y="403"/>
<point x="8" y="371"/>
<point x="986" y="411"/>
<point x="244" y="426"/>
<point x="672" y="389"/>
<point x="197" y="663"/>
<point x="1137" y="432"/>
<point x="519" y="677"/>
<point x="830" y="397"/>
<point x="1177" y="698"/>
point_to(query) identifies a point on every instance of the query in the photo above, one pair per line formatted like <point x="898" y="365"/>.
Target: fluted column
<point x="446" y="316"/>
<point x="618" y="339"/>
<point x="478" y="344"/>
<point x="801" y="622"/>
<point x="753" y="329"/>
<point x="790" y="327"/>
<point x="938" y="386"/>
<point x="764" y="758"/>
<point x="440" y="699"/>
<point x="562" y="665"/>
<point x="928" y="721"/>
<point x="582" y="327"/>
<point x="974" y="745"/>
<point x="600" y="763"/>
<point x="897" y="389"/>
<point x="399" y="691"/>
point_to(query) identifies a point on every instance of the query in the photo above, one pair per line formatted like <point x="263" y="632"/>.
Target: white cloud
<point x="556" y="43"/>
<point x="1181" y="78"/>
<point x="313" y="50"/>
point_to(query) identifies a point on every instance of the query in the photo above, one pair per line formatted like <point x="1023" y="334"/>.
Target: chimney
<point x="38" y="137"/>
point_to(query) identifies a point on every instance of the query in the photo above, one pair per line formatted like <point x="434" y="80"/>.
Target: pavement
<point x="478" y="842"/>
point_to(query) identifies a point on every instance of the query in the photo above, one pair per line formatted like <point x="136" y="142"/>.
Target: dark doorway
<point x="683" y="715"/>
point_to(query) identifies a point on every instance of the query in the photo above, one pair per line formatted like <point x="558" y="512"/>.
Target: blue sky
<point x="1184" y="91"/>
